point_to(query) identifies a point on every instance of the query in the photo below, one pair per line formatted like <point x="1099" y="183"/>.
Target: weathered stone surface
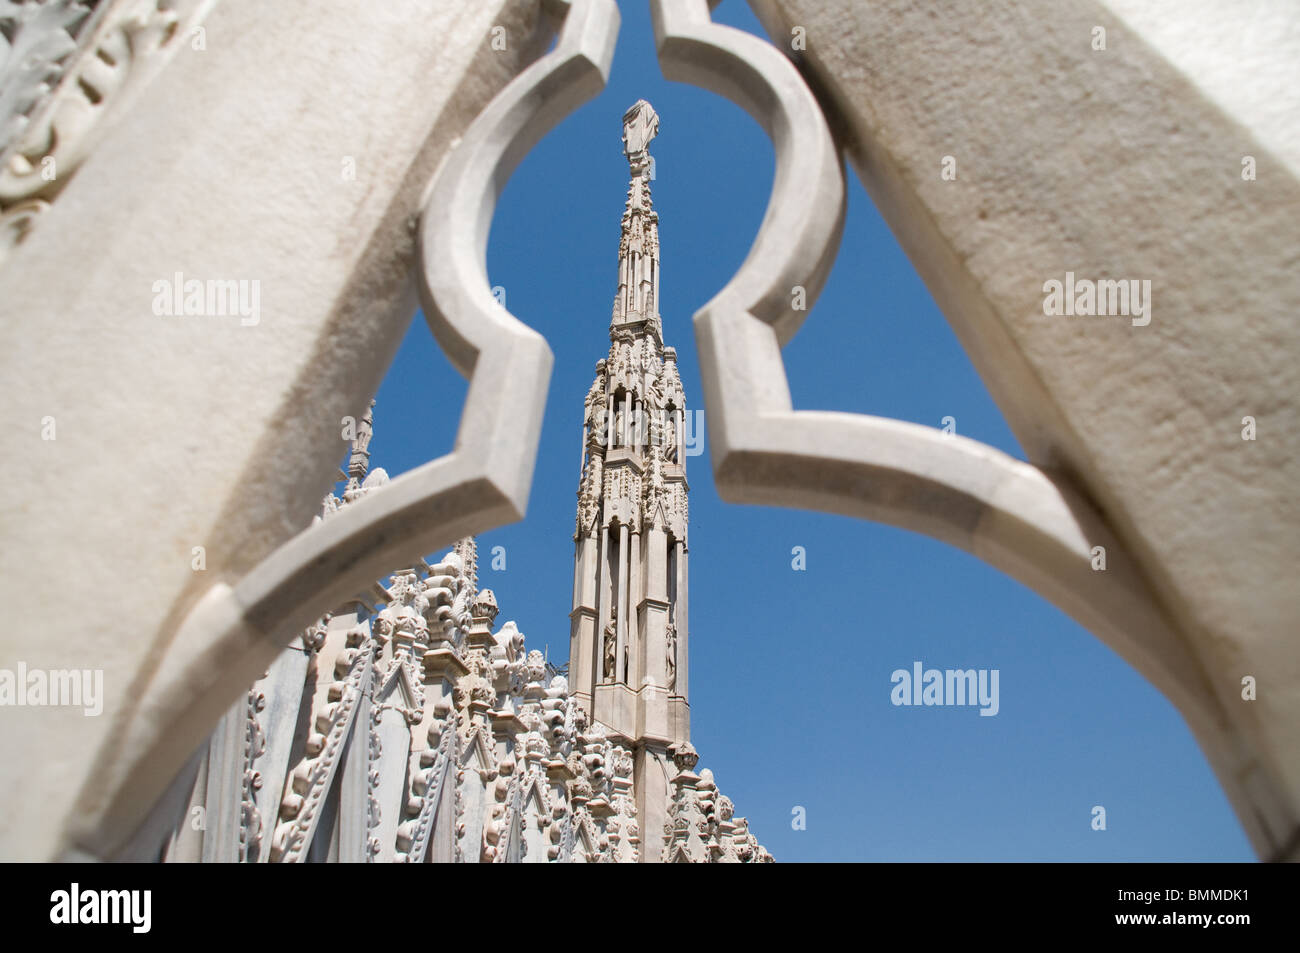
<point x="1122" y="163"/>
<point x="178" y="432"/>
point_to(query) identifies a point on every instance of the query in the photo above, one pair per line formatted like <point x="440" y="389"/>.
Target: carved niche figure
<point x="365" y="430"/>
<point x="589" y="495"/>
<point x="609" y="651"/>
<point x="670" y="655"/>
<point x="655" y="397"/>
<point x="594" y="417"/>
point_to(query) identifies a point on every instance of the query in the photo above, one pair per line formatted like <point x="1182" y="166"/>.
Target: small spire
<point x="359" y="461"/>
<point x="467" y="549"/>
<point x="638" y="249"/>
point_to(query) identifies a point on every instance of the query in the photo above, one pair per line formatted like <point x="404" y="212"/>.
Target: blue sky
<point x="790" y="670"/>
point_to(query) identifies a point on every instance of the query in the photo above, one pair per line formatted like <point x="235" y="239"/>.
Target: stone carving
<point x="359" y="459"/>
<point x="589" y="495"/>
<point x="314" y="637"/>
<point x="640" y="125"/>
<point x="67" y="69"/>
<point x="250" y="819"/>
<point x="475" y="687"/>
<point x="426" y="787"/>
<point x="670" y="655"/>
<point x="608" y="651"/>
<point x="374" y="748"/>
<point x="300" y="808"/>
<point x="37" y="41"/>
<point x="701" y="826"/>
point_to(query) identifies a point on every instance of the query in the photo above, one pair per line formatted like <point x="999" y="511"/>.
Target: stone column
<point x="655" y="606"/>
<point x="584" y="627"/>
<point x="619" y="671"/>
<point x="635" y="588"/>
<point x="652" y="773"/>
<point x="680" y="619"/>
<point x="225" y="781"/>
<point x="602" y="607"/>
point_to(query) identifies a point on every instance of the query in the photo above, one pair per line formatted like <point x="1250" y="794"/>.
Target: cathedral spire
<point x="628" y="644"/>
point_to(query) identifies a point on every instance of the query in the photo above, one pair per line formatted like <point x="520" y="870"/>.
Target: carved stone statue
<point x="594" y="405"/>
<point x="609" y="651"/>
<point x="670" y="655"/>
<point x="640" y="125"/>
<point x="656" y="397"/>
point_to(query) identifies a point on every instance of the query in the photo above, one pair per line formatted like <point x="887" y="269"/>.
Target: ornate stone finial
<point x="467" y="549"/>
<point x="640" y="125"/>
<point x="485" y="606"/>
<point x="684" y="756"/>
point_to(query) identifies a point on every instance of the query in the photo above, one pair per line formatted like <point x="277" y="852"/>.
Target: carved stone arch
<point x="1035" y="524"/>
<point x="483" y="483"/>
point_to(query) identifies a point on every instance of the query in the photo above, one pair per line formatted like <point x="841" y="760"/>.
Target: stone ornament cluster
<point x="702" y="825"/>
<point x="431" y="737"/>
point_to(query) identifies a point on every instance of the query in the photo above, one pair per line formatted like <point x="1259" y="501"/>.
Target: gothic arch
<point x="1035" y="523"/>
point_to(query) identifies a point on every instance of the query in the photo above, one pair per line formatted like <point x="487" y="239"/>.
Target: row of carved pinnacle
<point x="483" y="711"/>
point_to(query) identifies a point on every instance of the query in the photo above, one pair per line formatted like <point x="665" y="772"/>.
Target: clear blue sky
<point x="790" y="671"/>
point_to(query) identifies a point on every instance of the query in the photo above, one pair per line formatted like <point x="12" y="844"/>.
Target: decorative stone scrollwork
<point x="426" y="787"/>
<point x="299" y="810"/>
<point x="67" y="68"/>
<point x="250" y="819"/>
